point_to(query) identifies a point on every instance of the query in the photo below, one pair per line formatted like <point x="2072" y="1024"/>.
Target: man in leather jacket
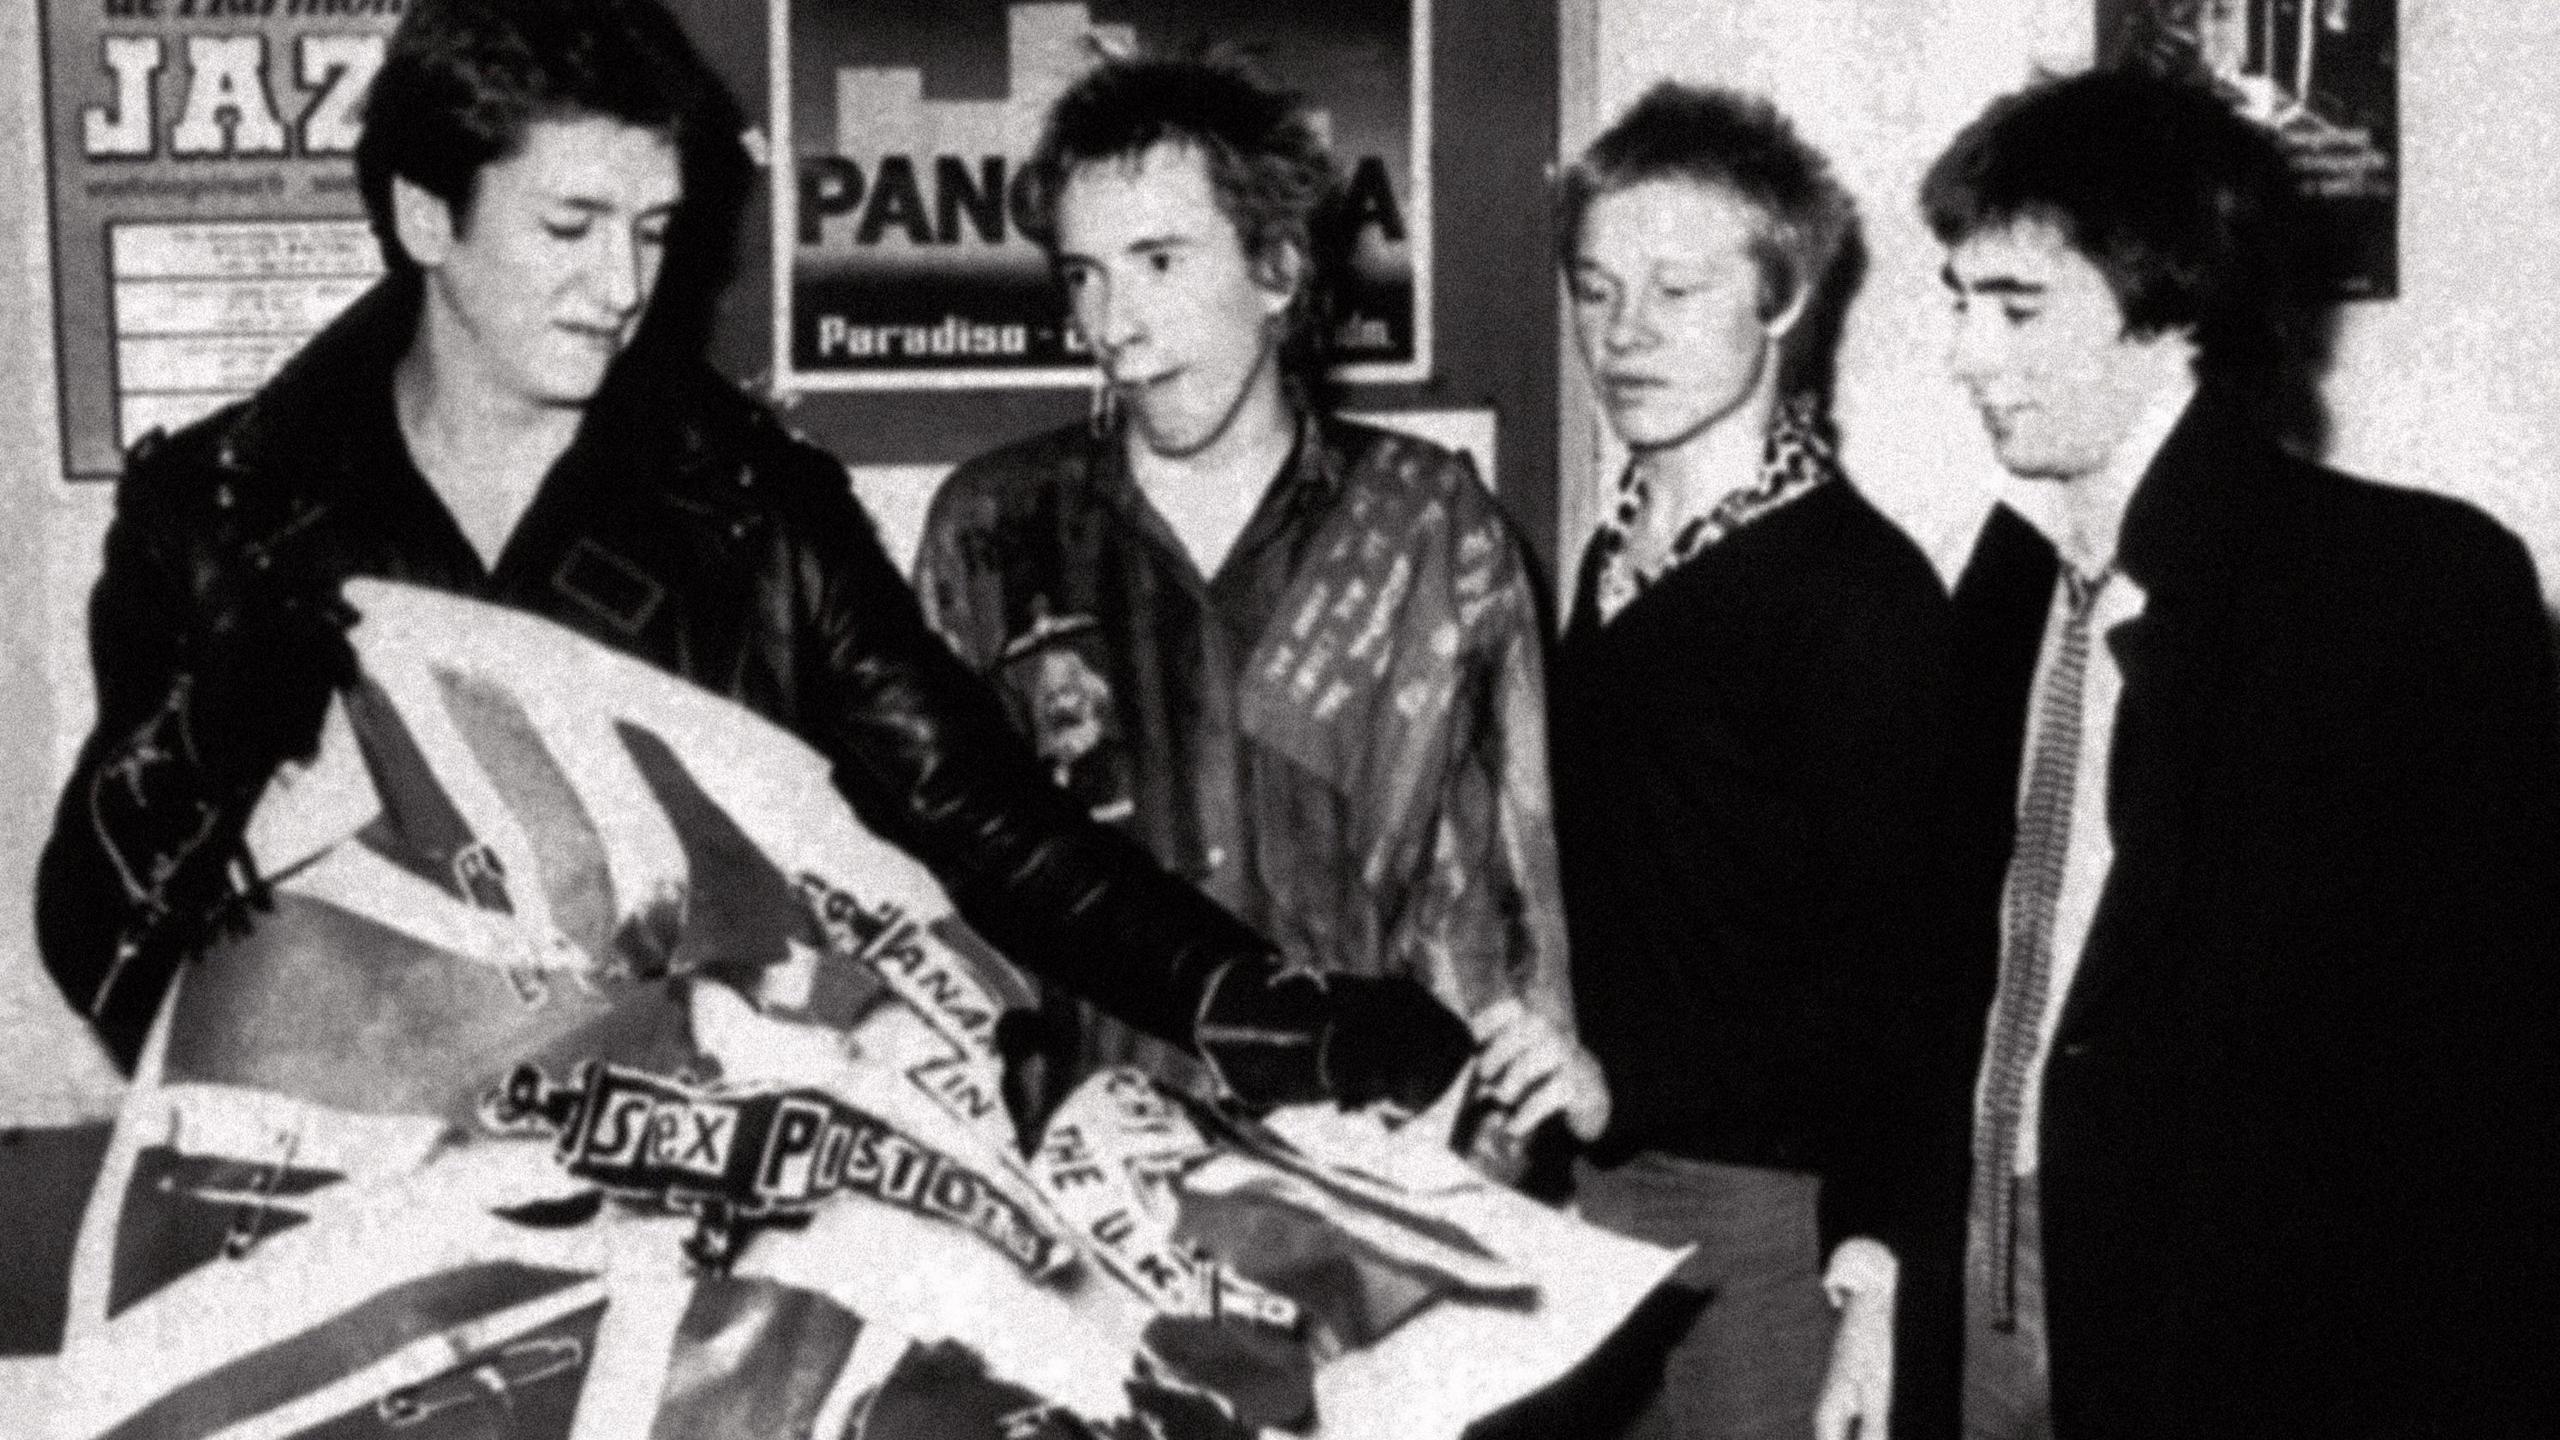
<point x="495" y="419"/>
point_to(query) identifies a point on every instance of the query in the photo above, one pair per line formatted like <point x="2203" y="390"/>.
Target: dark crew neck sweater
<point x="1749" y="793"/>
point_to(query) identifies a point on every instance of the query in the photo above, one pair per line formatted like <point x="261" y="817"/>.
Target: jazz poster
<point x="900" y="126"/>
<point x="205" y="217"/>
<point x="2323" y="76"/>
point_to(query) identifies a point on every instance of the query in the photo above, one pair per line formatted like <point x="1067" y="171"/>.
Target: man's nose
<point x="1116" y="321"/>
<point x="617" y="272"/>
<point x="1631" y="324"/>
<point x="1973" y="347"/>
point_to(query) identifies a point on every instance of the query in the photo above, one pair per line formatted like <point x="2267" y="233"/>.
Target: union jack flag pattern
<point x="594" y="1073"/>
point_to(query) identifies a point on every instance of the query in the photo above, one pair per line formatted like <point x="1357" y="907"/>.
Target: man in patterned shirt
<point x="1295" y="656"/>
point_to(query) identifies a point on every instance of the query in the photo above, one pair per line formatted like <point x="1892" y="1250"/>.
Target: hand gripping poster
<point x="2323" y="76"/>
<point x="901" y="125"/>
<point x="205" y="214"/>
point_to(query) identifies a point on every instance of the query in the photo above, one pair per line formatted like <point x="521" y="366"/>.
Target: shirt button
<point x="1216" y="856"/>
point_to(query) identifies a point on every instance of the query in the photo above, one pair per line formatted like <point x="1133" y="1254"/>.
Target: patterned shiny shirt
<point x="1340" y="735"/>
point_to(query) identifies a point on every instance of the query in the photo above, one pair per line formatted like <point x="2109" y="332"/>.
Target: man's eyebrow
<point x="1988" y="284"/>
<point x="596" y="205"/>
<point x="1143" y="245"/>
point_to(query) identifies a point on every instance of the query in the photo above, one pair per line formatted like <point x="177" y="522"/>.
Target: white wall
<point x="2456" y="385"/>
<point x="2453" y="386"/>
<point x="49" y="1070"/>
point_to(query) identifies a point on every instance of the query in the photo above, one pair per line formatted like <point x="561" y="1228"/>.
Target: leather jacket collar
<point x="677" y="420"/>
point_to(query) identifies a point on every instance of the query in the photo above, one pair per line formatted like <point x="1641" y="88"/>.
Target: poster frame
<point x="788" y="378"/>
<point x="2356" y="216"/>
<point x="87" y="333"/>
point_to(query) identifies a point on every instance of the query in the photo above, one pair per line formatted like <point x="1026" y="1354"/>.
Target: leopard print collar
<point x="1796" y="459"/>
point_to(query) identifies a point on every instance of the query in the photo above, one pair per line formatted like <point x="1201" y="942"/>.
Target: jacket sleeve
<point x="1873" y="739"/>
<point x="921" y="749"/>
<point x="2455" y="994"/>
<point x="1491" y="921"/>
<point x="139" y="858"/>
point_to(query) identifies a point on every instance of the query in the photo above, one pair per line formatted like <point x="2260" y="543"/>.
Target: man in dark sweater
<point x="1748" y="724"/>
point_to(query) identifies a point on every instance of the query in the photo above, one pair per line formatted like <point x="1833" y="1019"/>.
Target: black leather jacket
<point x="684" y="526"/>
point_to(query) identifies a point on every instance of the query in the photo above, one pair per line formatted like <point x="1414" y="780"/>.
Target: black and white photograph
<point x="1181" y="720"/>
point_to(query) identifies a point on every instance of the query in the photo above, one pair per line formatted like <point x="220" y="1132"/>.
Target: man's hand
<point x="1857" y="1392"/>
<point x="1528" y="1070"/>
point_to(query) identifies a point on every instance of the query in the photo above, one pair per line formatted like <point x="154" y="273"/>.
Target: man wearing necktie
<point x="2261" y="836"/>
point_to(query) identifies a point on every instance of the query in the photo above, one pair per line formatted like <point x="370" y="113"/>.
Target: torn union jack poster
<point x="594" y="1073"/>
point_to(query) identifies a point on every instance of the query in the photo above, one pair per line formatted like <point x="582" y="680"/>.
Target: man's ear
<point x="1281" y="271"/>
<point x="1785" y="320"/>
<point x="422" y="220"/>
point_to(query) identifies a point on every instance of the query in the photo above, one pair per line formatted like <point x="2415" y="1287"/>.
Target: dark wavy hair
<point x="1269" y="169"/>
<point x="463" y="80"/>
<point x="2188" y="209"/>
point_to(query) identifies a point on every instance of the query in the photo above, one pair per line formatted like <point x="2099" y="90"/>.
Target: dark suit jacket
<point x="2299" y="1121"/>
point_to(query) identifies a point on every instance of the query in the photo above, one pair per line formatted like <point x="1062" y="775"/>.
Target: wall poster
<point x="897" y="262"/>
<point x="2323" y="75"/>
<point x="205" y="218"/>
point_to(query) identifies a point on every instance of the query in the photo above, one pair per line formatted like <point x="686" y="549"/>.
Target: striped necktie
<point x="2026" y="950"/>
